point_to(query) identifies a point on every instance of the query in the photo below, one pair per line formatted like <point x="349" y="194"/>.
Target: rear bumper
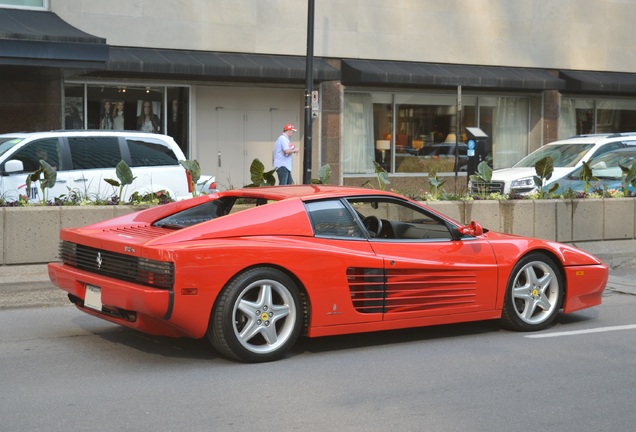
<point x="143" y="308"/>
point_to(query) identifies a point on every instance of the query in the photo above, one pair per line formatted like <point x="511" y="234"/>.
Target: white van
<point x="567" y="155"/>
<point x="83" y="159"/>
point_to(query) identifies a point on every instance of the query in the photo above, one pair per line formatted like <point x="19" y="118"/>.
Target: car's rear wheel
<point x="534" y="294"/>
<point x="257" y="317"/>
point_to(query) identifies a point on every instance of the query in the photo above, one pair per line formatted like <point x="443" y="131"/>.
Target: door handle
<point x="219" y="159"/>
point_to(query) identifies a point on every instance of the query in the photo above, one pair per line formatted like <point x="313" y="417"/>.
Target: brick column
<point x="331" y="129"/>
<point x="30" y="103"/>
<point x="551" y="110"/>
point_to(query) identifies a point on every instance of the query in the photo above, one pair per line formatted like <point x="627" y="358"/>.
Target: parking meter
<point x="477" y="148"/>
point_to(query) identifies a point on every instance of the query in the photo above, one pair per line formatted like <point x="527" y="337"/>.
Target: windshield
<point x="7" y="143"/>
<point x="607" y="166"/>
<point x="563" y="155"/>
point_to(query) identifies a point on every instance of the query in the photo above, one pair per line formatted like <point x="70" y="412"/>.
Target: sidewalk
<point x="29" y="285"/>
<point x="23" y="286"/>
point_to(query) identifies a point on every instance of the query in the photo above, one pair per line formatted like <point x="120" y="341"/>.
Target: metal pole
<point x="458" y="121"/>
<point x="309" y="88"/>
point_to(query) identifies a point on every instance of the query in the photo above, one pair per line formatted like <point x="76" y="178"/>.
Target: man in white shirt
<point x="283" y="151"/>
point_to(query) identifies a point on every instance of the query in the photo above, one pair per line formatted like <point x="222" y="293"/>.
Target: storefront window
<point x="505" y="121"/>
<point x="74" y="107"/>
<point x="31" y="4"/>
<point x="580" y="116"/>
<point x="154" y="109"/>
<point x="358" y="150"/>
<point x="419" y="133"/>
<point x="426" y="132"/>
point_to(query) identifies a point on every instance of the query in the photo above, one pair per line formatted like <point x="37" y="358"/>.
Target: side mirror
<point x="13" y="166"/>
<point x="473" y="228"/>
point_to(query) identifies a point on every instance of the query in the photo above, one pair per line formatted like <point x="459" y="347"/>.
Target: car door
<point x="93" y="160"/>
<point x="47" y="149"/>
<point x="426" y="272"/>
<point x="351" y="274"/>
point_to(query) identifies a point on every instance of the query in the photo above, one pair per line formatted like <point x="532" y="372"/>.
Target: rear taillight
<point x="212" y="185"/>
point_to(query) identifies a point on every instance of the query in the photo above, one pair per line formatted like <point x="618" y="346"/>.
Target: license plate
<point x="93" y="297"/>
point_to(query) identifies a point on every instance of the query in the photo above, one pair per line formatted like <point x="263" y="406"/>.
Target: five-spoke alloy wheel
<point x="258" y="316"/>
<point x="534" y="293"/>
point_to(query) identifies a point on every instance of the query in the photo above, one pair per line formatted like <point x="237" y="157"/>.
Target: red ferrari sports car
<point x="254" y="269"/>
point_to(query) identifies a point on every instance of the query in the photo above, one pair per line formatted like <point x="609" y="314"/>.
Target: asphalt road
<point x="62" y="370"/>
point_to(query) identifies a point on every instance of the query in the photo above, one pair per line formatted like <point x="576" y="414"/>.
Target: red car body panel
<point x="427" y="283"/>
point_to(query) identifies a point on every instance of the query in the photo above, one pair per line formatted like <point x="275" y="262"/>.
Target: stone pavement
<point x="29" y="286"/>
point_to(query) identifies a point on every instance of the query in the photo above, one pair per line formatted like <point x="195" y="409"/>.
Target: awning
<point x="409" y="74"/>
<point x="595" y="82"/>
<point x="214" y="65"/>
<point x="41" y="38"/>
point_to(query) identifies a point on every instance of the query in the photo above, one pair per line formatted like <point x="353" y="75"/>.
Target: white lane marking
<point x="578" y="332"/>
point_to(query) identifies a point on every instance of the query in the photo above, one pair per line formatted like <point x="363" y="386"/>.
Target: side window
<point x="390" y="219"/>
<point x="150" y="152"/>
<point x="608" y="148"/>
<point x="94" y="152"/>
<point x="331" y="219"/>
<point x="44" y="149"/>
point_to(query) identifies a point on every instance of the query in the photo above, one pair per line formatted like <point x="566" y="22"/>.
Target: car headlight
<point x="523" y="183"/>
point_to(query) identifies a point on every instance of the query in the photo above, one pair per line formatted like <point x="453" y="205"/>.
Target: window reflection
<point x="151" y="109"/>
<point x="581" y="116"/>
<point x="418" y="134"/>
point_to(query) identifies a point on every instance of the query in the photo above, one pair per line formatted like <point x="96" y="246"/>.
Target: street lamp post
<point x="309" y="88"/>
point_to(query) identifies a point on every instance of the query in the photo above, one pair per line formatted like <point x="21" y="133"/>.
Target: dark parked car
<point x="447" y="150"/>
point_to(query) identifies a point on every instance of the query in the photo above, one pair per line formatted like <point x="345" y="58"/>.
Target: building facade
<point x="393" y="79"/>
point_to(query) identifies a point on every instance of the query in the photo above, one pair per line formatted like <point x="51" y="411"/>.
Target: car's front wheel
<point x="534" y="294"/>
<point x="257" y="317"/>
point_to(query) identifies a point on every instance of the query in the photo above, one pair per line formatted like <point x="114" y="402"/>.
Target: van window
<point x="94" y="152"/>
<point x="7" y="144"/>
<point x="150" y="152"/>
<point x="44" y="149"/>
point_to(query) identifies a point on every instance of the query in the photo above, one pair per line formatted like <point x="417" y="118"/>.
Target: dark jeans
<point x="284" y="176"/>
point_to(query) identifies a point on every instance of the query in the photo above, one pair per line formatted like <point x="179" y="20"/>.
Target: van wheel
<point x="257" y="317"/>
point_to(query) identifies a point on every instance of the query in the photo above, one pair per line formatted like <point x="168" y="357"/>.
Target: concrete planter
<point x="453" y="209"/>
<point x="619" y="215"/>
<point x="565" y="221"/>
<point x="487" y="213"/>
<point x="30" y="235"/>
<point x="517" y="217"/>
<point x="587" y="219"/>
<point x="546" y="224"/>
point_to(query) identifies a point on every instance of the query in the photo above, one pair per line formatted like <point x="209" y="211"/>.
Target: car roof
<point x="80" y="132"/>
<point x="594" y="138"/>
<point x="304" y="192"/>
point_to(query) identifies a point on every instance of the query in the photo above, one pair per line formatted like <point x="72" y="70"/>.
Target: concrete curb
<point x="23" y="274"/>
<point x="617" y="254"/>
<point x="622" y="284"/>
<point x="28" y="286"/>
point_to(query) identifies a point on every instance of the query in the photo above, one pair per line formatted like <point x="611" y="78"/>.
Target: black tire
<point x="534" y="294"/>
<point x="257" y="317"/>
